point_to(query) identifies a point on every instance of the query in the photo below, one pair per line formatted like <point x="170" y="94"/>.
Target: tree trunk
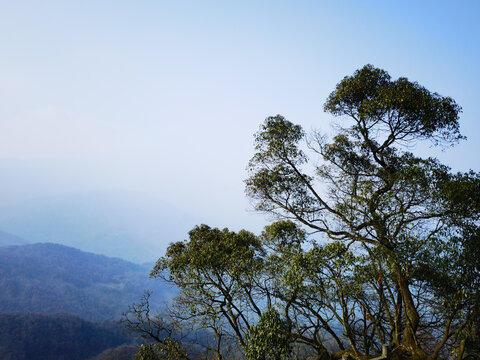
<point x="409" y="334"/>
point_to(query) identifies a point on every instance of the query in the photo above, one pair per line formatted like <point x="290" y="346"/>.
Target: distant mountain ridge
<point x="128" y="225"/>
<point x="50" y="278"/>
<point x="7" y="239"/>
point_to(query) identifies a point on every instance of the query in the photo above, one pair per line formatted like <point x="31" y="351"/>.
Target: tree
<point x="269" y="338"/>
<point x="237" y="284"/>
<point x="158" y="328"/>
<point x="380" y="198"/>
<point x="215" y="270"/>
<point x="390" y="257"/>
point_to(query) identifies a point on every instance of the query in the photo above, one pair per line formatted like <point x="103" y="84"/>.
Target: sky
<point x="162" y="98"/>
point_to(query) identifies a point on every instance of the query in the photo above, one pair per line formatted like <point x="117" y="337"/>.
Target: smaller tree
<point x="158" y="328"/>
<point x="216" y="271"/>
<point x="269" y="339"/>
<point x="169" y="349"/>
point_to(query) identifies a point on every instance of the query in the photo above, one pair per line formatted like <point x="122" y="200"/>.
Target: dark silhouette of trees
<point x="56" y="336"/>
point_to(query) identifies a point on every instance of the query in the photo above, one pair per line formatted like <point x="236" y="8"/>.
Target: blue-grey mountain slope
<point x="50" y="278"/>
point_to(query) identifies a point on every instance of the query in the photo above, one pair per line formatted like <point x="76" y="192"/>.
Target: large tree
<point x="366" y="189"/>
<point x="376" y="248"/>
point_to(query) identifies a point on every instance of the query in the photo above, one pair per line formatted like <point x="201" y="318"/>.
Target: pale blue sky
<point x="164" y="97"/>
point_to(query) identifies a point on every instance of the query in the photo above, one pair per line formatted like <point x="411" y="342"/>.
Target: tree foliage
<point x="268" y="339"/>
<point x="391" y="255"/>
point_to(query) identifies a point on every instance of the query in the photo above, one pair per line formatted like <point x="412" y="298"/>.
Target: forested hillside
<point x="50" y="278"/>
<point x="60" y="336"/>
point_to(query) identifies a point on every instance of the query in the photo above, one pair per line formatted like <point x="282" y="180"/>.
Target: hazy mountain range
<point x="57" y="302"/>
<point x="56" y="292"/>
<point x="10" y="239"/>
<point x="126" y="225"/>
<point x="50" y="278"/>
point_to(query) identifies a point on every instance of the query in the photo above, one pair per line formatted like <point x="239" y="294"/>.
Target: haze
<point x="155" y="103"/>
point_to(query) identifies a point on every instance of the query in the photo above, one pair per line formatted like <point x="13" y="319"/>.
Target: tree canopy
<point x="374" y="245"/>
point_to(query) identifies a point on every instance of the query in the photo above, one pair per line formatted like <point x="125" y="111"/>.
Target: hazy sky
<point x="163" y="97"/>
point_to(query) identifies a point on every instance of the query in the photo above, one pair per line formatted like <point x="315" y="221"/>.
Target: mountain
<point x="128" y="225"/>
<point x="49" y="278"/>
<point x="59" y="337"/>
<point x="10" y="239"/>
